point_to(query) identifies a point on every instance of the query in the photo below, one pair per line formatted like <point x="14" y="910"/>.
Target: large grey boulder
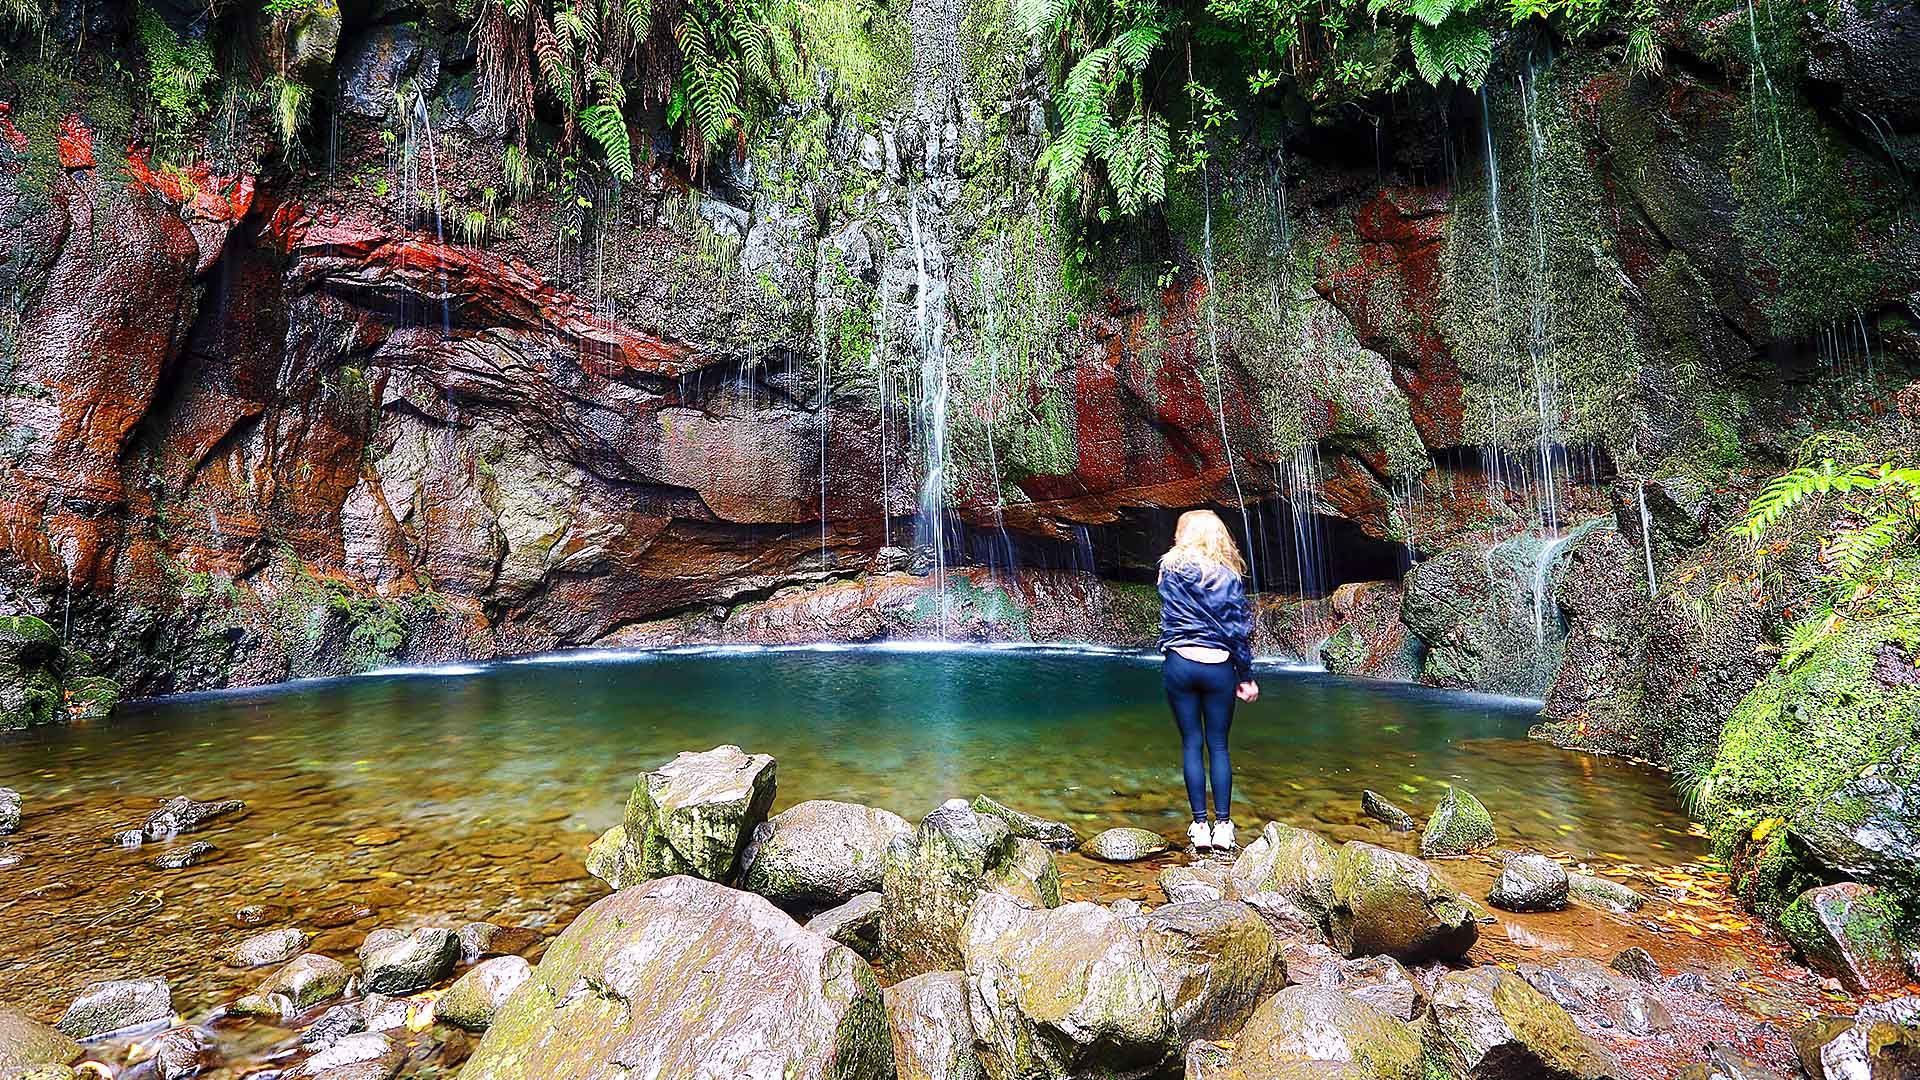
<point x="1880" y="1042"/>
<point x="1488" y="1024"/>
<point x="1530" y="883"/>
<point x="818" y="854"/>
<point x="26" y="1043"/>
<point x="1310" y="1032"/>
<point x="1083" y="990"/>
<point x="1869" y="829"/>
<point x="1586" y="987"/>
<point x="1055" y="834"/>
<point x="680" y="977"/>
<point x="393" y="962"/>
<point x="117" y="1004"/>
<point x="692" y="815"/>
<point x="1846" y="930"/>
<point x="933" y="876"/>
<point x="1386" y="902"/>
<point x="932" y="1029"/>
<point x="306" y="981"/>
<point x="473" y="999"/>
<point x="1295" y="863"/>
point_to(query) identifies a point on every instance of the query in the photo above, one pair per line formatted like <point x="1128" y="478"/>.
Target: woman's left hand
<point x="1247" y="691"/>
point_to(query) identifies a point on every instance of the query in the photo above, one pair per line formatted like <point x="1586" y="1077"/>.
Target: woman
<point x="1206" y="633"/>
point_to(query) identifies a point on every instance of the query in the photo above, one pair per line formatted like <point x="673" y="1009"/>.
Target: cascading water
<point x="1496" y="480"/>
<point x="1646" y="538"/>
<point x="822" y="293"/>
<point x="1546" y="372"/>
<point x="988" y="292"/>
<point x="1219" y="376"/>
<point x="929" y="320"/>
<point x="883" y="312"/>
<point x="1300" y="479"/>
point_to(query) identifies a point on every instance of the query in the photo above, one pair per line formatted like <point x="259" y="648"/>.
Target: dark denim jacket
<point x="1207" y="607"/>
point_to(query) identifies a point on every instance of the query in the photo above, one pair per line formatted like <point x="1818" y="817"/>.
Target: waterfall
<point x="1496" y="484"/>
<point x="988" y="293"/>
<point x="1219" y="377"/>
<point x="1646" y="537"/>
<point x="882" y="314"/>
<point x="823" y="398"/>
<point x="930" y="328"/>
<point x="1546" y="373"/>
<point x="1299" y="478"/>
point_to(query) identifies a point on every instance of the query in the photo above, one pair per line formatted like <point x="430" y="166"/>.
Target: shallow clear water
<point x="394" y="798"/>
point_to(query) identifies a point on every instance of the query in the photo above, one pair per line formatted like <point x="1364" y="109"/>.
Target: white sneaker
<point x="1200" y="837"/>
<point x="1223" y="836"/>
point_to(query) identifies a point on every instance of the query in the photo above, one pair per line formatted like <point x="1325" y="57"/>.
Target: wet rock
<point x="1215" y="960"/>
<point x="30" y="656"/>
<point x="1055" y="834"/>
<point x="1530" y="883"/>
<point x="1725" y="1063"/>
<point x="1636" y="962"/>
<point x="1459" y="825"/>
<point x="9" y="811"/>
<point x="692" y="815"/>
<point x="1376" y="806"/>
<point x="683" y="977"/>
<point x="1297" y="864"/>
<point x="183" y="815"/>
<point x="1582" y="986"/>
<point x="1033" y="873"/>
<point x="306" y="981"/>
<point x="1379" y="981"/>
<point x="479" y="940"/>
<point x="819" y="853"/>
<point x="1846" y="930"/>
<point x="383" y="1013"/>
<point x="1206" y="1059"/>
<point x="1880" y="1042"/>
<point x="1184" y="884"/>
<point x="25" y="1042"/>
<point x="271" y="947"/>
<point x="270" y="1008"/>
<point x="1488" y="1024"/>
<point x="1386" y="902"/>
<point x="401" y="964"/>
<point x="183" y="1052"/>
<point x="1310" y="1032"/>
<point x="180" y="858"/>
<point x="1125" y="844"/>
<point x="933" y="877"/>
<point x="932" y="1030"/>
<point x="1869" y="829"/>
<point x="855" y="924"/>
<point x="333" y="1025"/>
<point x="1604" y="893"/>
<point x="472" y="1000"/>
<point x="116" y="1005"/>
<point x="366" y="1056"/>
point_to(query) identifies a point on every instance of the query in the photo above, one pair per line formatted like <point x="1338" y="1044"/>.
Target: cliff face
<point x="378" y="402"/>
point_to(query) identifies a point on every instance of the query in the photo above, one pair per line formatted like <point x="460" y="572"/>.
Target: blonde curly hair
<point x="1201" y="540"/>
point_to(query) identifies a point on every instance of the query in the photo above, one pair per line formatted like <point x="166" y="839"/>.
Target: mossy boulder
<point x="1604" y="893"/>
<point x="1386" y="902"/>
<point x="1869" y="827"/>
<point x="1057" y="835"/>
<point x="1459" y="825"/>
<point x="306" y="981"/>
<point x="475" y="997"/>
<point x="117" y="1004"/>
<point x="1295" y="863"/>
<point x="91" y="697"/>
<point x="683" y="977"/>
<point x="1847" y="930"/>
<point x="1308" y="1031"/>
<point x="1215" y="961"/>
<point x="1486" y="1023"/>
<point x="395" y="962"/>
<point x="692" y="815"/>
<point x="30" y="668"/>
<point x="932" y="877"/>
<point x="932" y="1030"/>
<point x="26" y="1043"/>
<point x="818" y="854"/>
<point x="1880" y="1042"/>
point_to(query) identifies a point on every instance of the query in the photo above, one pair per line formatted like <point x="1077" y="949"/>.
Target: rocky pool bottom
<point x="376" y="812"/>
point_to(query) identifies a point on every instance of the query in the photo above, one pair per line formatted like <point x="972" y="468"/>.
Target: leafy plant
<point x="177" y="74"/>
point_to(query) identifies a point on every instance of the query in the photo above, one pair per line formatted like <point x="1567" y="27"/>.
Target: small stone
<point x="183" y="815"/>
<point x="183" y="1052"/>
<point x="274" y="1008"/>
<point x="333" y="1025"/>
<point x="351" y="1050"/>
<point x="117" y="1005"/>
<point x="1604" y="894"/>
<point x="271" y="947"/>
<point x="1125" y="844"/>
<point x="479" y="940"/>
<point x="1375" y="805"/>
<point x="1725" y="1063"/>
<point x="1637" y="963"/>
<point x="127" y="838"/>
<point x="306" y="981"/>
<point x="1459" y="825"/>
<point x="855" y="924"/>
<point x="182" y="857"/>
<point x="1882" y="1040"/>
<point x="1583" y="986"/>
<point x="1055" y="834"/>
<point x="402" y="964"/>
<point x="1185" y="884"/>
<point x="253" y="914"/>
<point x="1530" y="883"/>
<point x="469" y="1004"/>
<point x="9" y="811"/>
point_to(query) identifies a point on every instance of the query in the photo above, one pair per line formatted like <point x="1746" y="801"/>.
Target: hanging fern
<point x="1459" y="49"/>
<point x="607" y="126"/>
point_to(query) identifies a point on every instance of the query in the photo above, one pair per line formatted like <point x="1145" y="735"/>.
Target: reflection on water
<point x="471" y="794"/>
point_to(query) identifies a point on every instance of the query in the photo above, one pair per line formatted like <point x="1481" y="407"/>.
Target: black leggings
<point x="1202" y="699"/>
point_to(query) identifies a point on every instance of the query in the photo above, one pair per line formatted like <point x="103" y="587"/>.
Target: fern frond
<point x="606" y="125"/>
<point x="1851" y="551"/>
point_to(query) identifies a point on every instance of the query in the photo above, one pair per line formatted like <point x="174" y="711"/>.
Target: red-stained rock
<point x="12" y="136"/>
<point x="76" y="144"/>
